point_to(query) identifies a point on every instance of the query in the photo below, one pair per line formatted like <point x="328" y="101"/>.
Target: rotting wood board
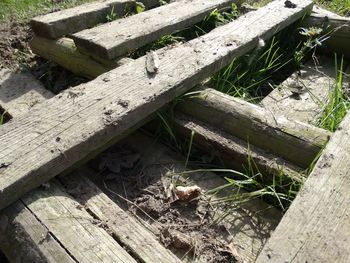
<point x="63" y="130"/>
<point x="71" y="20"/>
<point x="316" y="226"/>
<point x="292" y="140"/>
<point x="234" y="152"/>
<point x="128" y="34"/>
<point x="23" y="235"/>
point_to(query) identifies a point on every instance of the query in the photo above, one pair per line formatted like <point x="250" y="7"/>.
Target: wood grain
<point x="67" y="21"/>
<point x="67" y="128"/>
<point x="314" y="83"/>
<point x="127" y="34"/>
<point x="292" y="140"/>
<point x="316" y="226"/>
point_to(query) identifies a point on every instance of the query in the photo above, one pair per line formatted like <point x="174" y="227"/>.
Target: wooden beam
<point x="23" y="238"/>
<point x="294" y="141"/>
<point x="71" y="20"/>
<point x="234" y="152"/>
<point x="316" y="228"/>
<point x="312" y="87"/>
<point x="64" y="52"/>
<point x="65" y="129"/>
<point x="127" y="34"/>
<point x="129" y="232"/>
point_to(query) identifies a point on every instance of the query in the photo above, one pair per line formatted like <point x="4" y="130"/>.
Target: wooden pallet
<point x="77" y="124"/>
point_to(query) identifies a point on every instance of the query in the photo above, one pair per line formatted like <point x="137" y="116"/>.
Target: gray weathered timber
<point x="61" y="23"/>
<point x="134" y="237"/>
<point x="250" y="223"/>
<point x="338" y="28"/>
<point x="67" y="128"/>
<point x="23" y="238"/>
<point x="311" y="92"/>
<point x="234" y="152"/>
<point x="63" y="52"/>
<point x="316" y="228"/>
<point x="20" y="91"/>
<point x="130" y="33"/>
<point x="292" y="140"/>
<point x="74" y="227"/>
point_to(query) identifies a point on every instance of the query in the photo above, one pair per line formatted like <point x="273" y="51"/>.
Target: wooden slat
<point x="64" y="52"/>
<point x="61" y="23"/>
<point x="23" y="238"/>
<point x="314" y="84"/>
<point x="67" y="128"/>
<point x="292" y="140"/>
<point x="20" y="91"/>
<point x="136" y="238"/>
<point x="74" y="227"/>
<point x="234" y="152"/>
<point x="316" y="228"/>
<point x="132" y="32"/>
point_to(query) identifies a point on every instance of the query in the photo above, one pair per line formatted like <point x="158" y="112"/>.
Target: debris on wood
<point x="152" y="62"/>
<point x="187" y="193"/>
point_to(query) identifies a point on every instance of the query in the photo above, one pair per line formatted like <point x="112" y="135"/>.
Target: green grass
<point x="341" y="7"/>
<point x="24" y="10"/>
<point x="338" y="102"/>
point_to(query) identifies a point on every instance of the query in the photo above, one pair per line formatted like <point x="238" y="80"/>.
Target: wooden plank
<point x="234" y="152"/>
<point x="292" y="140"/>
<point x="86" y="241"/>
<point x="336" y="26"/>
<point x="316" y="226"/>
<point x="58" y="24"/>
<point x="249" y="223"/>
<point x="137" y="239"/>
<point x="67" y="128"/>
<point x="64" y="52"/>
<point x="20" y="91"/>
<point x="23" y="238"/>
<point x="130" y="33"/>
<point x="313" y="83"/>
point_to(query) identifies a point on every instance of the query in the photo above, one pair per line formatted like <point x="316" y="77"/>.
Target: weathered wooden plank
<point x="316" y="226"/>
<point x="19" y="91"/>
<point x="65" y="129"/>
<point x="61" y="23"/>
<point x="137" y="239"/>
<point x="64" y="52"/>
<point x="234" y="152"/>
<point x="130" y="33"/>
<point x="336" y="26"/>
<point x="303" y="95"/>
<point x="250" y="223"/>
<point x="23" y="238"/>
<point x="292" y="140"/>
<point x="34" y="241"/>
<point x="73" y="227"/>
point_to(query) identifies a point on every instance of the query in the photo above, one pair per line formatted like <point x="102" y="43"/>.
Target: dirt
<point x="15" y="54"/>
<point x="186" y="228"/>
